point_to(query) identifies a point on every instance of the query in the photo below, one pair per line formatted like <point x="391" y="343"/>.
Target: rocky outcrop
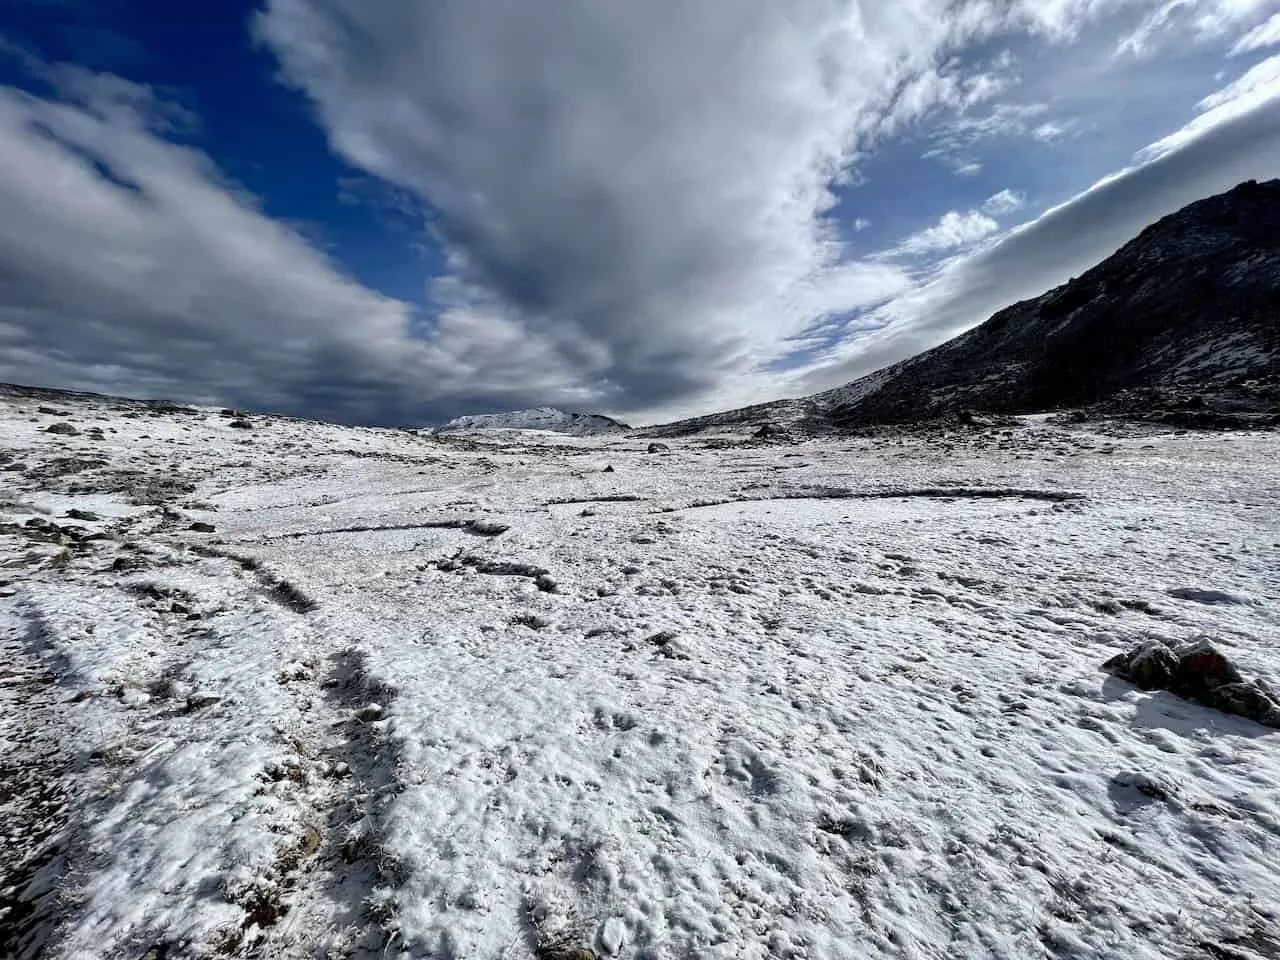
<point x="1197" y="671"/>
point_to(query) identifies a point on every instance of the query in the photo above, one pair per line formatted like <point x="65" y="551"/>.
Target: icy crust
<point x="304" y="690"/>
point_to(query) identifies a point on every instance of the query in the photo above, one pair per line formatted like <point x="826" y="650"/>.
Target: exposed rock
<point x="241" y="424"/>
<point x="1197" y="671"/>
<point x="656" y="447"/>
<point x="87" y="515"/>
<point x="201" y="699"/>
<point x="486" y="528"/>
<point x="201" y="527"/>
<point x="770" y="431"/>
<point x="62" y="429"/>
<point x="1148" y="667"/>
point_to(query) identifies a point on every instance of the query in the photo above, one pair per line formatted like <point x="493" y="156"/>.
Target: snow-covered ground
<point x="435" y="697"/>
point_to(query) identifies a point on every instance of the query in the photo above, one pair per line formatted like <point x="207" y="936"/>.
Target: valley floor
<point x="302" y="691"/>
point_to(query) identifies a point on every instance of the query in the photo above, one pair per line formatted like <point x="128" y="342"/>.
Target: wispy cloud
<point x="1004" y="203"/>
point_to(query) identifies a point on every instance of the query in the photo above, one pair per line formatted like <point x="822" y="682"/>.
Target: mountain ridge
<point x="552" y="419"/>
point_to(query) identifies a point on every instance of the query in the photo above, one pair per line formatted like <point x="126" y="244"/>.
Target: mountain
<point x="1185" y="317"/>
<point x="1188" y="312"/>
<point x="537" y="418"/>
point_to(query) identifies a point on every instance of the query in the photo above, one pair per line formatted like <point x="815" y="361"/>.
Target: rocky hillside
<point x="537" y="418"/>
<point x="1185" y="314"/>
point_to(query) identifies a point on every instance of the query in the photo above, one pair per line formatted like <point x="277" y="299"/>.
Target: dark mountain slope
<point x="1188" y="311"/>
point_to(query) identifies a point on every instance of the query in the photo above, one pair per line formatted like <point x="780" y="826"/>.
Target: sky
<point x="395" y="212"/>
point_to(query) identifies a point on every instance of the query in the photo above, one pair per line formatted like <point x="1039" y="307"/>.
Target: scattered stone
<point x="1155" y="787"/>
<point x="486" y="528"/>
<point x="658" y="448"/>
<point x="201" y="527"/>
<point x="770" y="431"/>
<point x="201" y="699"/>
<point x="533" y="621"/>
<point x="1197" y="671"/>
<point x="62" y="429"/>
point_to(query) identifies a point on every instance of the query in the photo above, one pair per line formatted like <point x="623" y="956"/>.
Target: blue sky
<point x="387" y="211"/>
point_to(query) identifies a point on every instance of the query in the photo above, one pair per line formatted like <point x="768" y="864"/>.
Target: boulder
<point x="62" y="429"/>
<point x="1197" y="671"/>
<point x="1149" y="667"/>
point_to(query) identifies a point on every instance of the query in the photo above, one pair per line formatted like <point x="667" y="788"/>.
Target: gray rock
<point x="1198" y="671"/>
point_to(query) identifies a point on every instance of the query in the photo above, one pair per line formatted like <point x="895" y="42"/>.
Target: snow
<point x="838" y="698"/>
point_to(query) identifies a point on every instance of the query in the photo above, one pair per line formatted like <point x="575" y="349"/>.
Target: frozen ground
<point x="836" y="699"/>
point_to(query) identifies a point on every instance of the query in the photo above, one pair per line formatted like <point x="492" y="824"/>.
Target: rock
<point x="62" y="429"/>
<point x="1251" y="700"/>
<point x="1198" y="671"/>
<point x="547" y="583"/>
<point x="608" y="469"/>
<point x="241" y="424"/>
<point x="74" y="514"/>
<point x="658" y="448"/>
<point x="201" y="699"/>
<point x="533" y="621"/>
<point x="769" y="430"/>
<point x="487" y="528"/>
<point x="370" y="712"/>
<point x="53" y="411"/>
<point x="201" y="527"/>
<point x="1201" y="669"/>
<point x="1148" y="667"/>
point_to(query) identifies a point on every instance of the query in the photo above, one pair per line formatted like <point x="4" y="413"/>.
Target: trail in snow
<point x="442" y="699"/>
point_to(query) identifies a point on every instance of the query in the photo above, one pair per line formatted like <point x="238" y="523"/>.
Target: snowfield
<point x="284" y="689"/>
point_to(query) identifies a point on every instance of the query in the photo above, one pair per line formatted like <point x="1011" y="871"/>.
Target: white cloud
<point x="955" y="230"/>
<point x="1003" y="203"/>
<point x="1196" y="19"/>
<point x="1052" y="130"/>
<point x="1257" y="87"/>
<point x="1259" y="38"/>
